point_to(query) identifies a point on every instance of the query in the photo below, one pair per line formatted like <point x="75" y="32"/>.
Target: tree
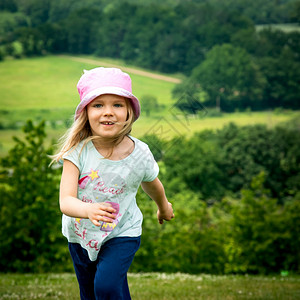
<point x="149" y="104"/>
<point x="249" y="150"/>
<point x="155" y="144"/>
<point x="81" y="28"/>
<point x="229" y="74"/>
<point x="283" y="75"/>
<point x="197" y="163"/>
<point x="219" y="163"/>
<point x="295" y="14"/>
<point x="190" y="97"/>
<point x="31" y="40"/>
<point x="38" y="11"/>
<point x="8" y="5"/>
<point x="30" y="231"/>
<point x="192" y="243"/>
<point x="264" y="231"/>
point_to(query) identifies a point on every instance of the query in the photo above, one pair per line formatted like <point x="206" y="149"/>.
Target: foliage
<point x="235" y="194"/>
<point x="188" y="245"/>
<point x="295" y="14"/>
<point x="190" y="97"/>
<point x="235" y="191"/>
<point x="30" y="219"/>
<point x="2" y="54"/>
<point x="257" y="70"/>
<point x="253" y="234"/>
<point x="206" y="40"/>
<point x="149" y="104"/>
<point x="261" y="12"/>
<point x="17" y="49"/>
<point x="197" y="163"/>
<point x="155" y="144"/>
<point x="248" y="230"/>
<point x="222" y="162"/>
<point x="262" y="232"/>
<point x="82" y="26"/>
<point x="229" y="74"/>
<point x="280" y="74"/>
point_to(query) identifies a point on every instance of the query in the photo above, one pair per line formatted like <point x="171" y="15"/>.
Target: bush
<point x="263" y="233"/>
<point x="17" y="51"/>
<point x="251" y="234"/>
<point x="30" y="230"/>
<point x="2" y="53"/>
<point x="227" y="219"/>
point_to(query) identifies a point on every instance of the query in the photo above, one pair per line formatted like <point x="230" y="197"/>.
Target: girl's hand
<point x="97" y="212"/>
<point x="166" y="215"/>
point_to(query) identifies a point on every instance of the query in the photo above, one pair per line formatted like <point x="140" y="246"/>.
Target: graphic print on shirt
<point x="86" y="177"/>
<point x="108" y="188"/>
<point x="81" y="232"/>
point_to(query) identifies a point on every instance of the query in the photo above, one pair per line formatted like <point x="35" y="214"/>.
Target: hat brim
<point x="109" y="90"/>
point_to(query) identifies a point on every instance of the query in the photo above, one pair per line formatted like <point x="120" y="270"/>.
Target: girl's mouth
<point x="107" y="123"/>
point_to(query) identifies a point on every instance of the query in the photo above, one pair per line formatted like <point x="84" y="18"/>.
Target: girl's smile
<point x="107" y="115"/>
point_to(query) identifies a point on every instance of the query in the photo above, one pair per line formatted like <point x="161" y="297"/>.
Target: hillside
<point x="44" y="88"/>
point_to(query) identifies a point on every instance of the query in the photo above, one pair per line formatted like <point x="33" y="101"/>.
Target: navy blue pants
<point x="105" y="278"/>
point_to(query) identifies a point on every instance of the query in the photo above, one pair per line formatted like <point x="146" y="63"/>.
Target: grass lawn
<point x="169" y="125"/>
<point x="158" y="286"/>
<point x="44" y="88"/>
<point x="166" y="126"/>
<point x="50" y="83"/>
<point x="283" y="27"/>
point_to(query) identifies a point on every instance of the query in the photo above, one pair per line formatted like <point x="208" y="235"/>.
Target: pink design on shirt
<point x="107" y="227"/>
<point x="82" y="182"/>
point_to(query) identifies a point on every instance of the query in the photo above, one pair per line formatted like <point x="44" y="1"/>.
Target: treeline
<point x="235" y="194"/>
<point x="228" y="64"/>
<point x="261" y="12"/>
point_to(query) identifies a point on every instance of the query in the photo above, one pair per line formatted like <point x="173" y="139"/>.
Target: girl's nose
<point x="108" y="111"/>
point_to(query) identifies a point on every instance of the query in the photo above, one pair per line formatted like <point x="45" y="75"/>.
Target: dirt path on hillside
<point x="126" y="69"/>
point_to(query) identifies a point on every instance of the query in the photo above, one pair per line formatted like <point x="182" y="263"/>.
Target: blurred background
<point x="218" y="82"/>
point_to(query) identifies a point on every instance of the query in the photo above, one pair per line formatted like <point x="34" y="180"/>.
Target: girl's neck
<point x="107" y="144"/>
<point x="115" y="150"/>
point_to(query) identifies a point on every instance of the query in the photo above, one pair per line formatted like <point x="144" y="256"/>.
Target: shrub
<point x="30" y="233"/>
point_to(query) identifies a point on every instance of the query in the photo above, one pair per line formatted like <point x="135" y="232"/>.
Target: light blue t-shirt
<point x="116" y="182"/>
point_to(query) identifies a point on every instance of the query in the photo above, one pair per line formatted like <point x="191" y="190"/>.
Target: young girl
<point x="103" y="167"/>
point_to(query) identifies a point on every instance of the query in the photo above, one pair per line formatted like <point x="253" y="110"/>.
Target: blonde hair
<point x="81" y="131"/>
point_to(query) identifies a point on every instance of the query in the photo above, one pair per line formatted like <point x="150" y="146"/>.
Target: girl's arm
<point x="71" y="206"/>
<point x="156" y="192"/>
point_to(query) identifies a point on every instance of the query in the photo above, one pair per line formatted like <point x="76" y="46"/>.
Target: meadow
<point x="283" y="27"/>
<point x="44" y="88"/>
<point x="162" y="286"/>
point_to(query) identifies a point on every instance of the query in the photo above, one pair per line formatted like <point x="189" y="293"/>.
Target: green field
<point x="50" y="83"/>
<point x="160" y="286"/>
<point x="283" y="27"/>
<point x="44" y="88"/>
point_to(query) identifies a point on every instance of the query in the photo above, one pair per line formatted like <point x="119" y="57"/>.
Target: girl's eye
<point x="118" y="105"/>
<point x="97" y="105"/>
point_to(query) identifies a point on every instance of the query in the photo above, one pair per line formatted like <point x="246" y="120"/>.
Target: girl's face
<point x="107" y="114"/>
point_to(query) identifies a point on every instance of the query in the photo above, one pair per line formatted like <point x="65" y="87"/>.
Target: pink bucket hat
<point x="99" y="81"/>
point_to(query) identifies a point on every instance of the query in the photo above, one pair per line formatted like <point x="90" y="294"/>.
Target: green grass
<point x="45" y="88"/>
<point x="167" y="126"/>
<point x="170" y="125"/>
<point x="160" y="286"/>
<point x="283" y="27"/>
<point x="50" y="83"/>
<point x="38" y="83"/>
